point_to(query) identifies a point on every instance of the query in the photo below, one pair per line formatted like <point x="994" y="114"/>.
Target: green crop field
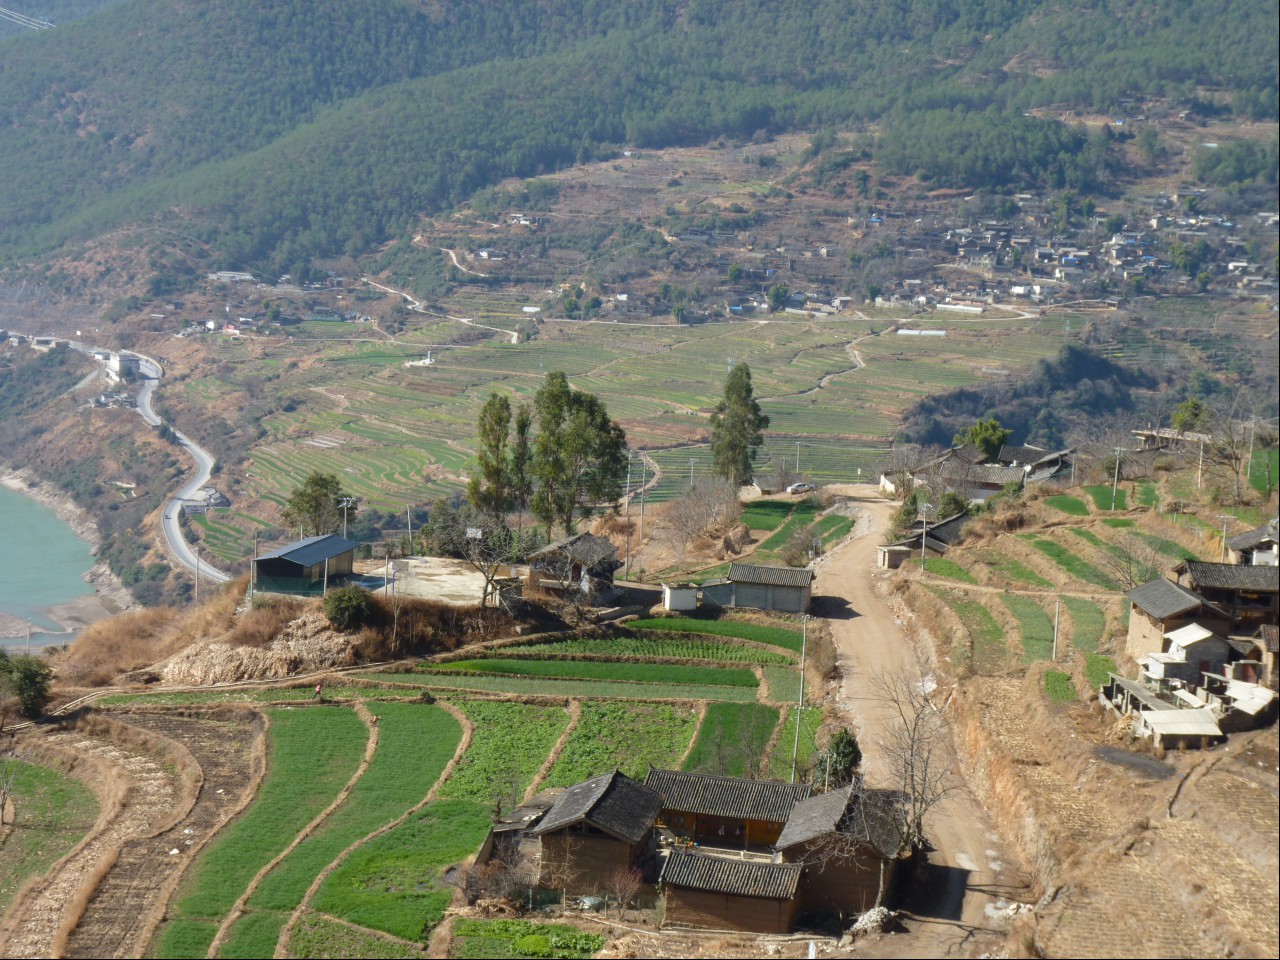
<point x="1075" y="566"/>
<point x="587" y="689"/>
<point x="784" y="683"/>
<point x="1058" y="687"/>
<point x="394" y="882"/>
<point x="1170" y="549"/>
<point x="732" y="738"/>
<point x="347" y="692"/>
<point x="766" y="514"/>
<point x="415" y="741"/>
<point x="628" y="736"/>
<point x="775" y="636"/>
<point x="1035" y="625"/>
<point x="1148" y="494"/>
<point x="54" y="811"/>
<point x="312" y="754"/>
<point x="1014" y="570"/>
<point x="990" y="651"/>
<point x="601" y="670"/>
<point x="652" y="645"/>
<point x="942" y="567"/>
<point x="1070" y="505"/>
<point x="509" y="744"/>
<point x="319" y="937"/>
<point x="1097" y="667"/>
<point x="1101" y="494"/>
<point x="508" y="939"/>
<point x="802" y="747"/>
<point x="1088" y="623"/>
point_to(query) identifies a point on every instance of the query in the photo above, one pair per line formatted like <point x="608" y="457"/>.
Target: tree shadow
<point x="832" y="608"/>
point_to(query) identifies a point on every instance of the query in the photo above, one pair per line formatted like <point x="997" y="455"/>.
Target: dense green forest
<point x="281" y="131"/>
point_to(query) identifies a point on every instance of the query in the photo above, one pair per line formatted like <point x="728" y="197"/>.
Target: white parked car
<point x="801" y="488"/>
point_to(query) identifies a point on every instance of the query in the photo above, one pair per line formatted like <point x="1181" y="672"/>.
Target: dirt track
<point x="971" y="869"/>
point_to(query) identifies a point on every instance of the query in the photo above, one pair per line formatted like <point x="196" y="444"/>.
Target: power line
<point x="22" y="20"/>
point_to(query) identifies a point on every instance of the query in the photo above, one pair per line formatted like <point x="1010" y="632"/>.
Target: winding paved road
<point x="150" y="373"/>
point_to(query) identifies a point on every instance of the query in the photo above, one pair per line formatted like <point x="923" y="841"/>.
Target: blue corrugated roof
<point x="312" y="550"/>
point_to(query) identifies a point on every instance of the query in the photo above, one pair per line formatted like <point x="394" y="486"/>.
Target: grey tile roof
<point x="742" y="878"/>
<point x="846" y="812"/>
<point x="312" y="550"/>
<point x="1231" y="576"/>
<point x="992" y="473"/>
<point x="728" y="797"/>
<point x="585" y="548"/>
<point x="1269" y="633"/>
<point x="770" y="576"/>
<point x="1253" y="538"/>
<point x="1012" y="453"/>
<point x="1163" y="598"/>
<point x="611" y="802"/>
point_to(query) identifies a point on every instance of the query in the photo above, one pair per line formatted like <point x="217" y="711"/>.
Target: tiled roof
<point x="612" y="802"/>
<point x="1270" y="635"/>
<point x="1253" y="538"/>
<point x="1011" y="453"/>
<point x="993" y="473"/>
<point x="585" y="548"/>
<point x="728" y="797"/>
<point x="312" y="550"/>
<point x="770" y="576"/>
<point x="742" y="878"/>
<point x="1163" y="598"/>
<point x="844" y="811"/>
<point x="1250" y="578"/>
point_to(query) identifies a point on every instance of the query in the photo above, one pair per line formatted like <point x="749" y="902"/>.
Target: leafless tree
<point x="622" y="885"/>
<point x="1132" y="562"/>
<point x="918" y="755"/>
<point x="708" y="508"/>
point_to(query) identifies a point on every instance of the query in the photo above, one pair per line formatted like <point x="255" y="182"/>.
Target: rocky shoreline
<point x="109" y="596"/>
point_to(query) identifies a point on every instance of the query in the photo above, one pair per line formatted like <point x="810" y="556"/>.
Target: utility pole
<point x="804" y="645"/>
<point x="692" y="461"/>
<point x="28" y="638"/>
<point x="1057" y="612"/>
<point x="797" y="456"/>
<point x="197" y="574"/>
<point x="1225" y="518"/>
<point x="1115" y="481"/>
<point x="408" y="518"/>
<point x="924" y="530"/>
<point x="344" y="503"/>
<point x="253" y="570"/>
<point x="627" y="518"/>
<point x="1200" y="469"/>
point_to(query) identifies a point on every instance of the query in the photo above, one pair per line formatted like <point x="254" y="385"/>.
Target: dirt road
<point x="956" y="910"/>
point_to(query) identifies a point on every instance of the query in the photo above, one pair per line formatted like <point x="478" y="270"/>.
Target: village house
<point x="1161" y="607"/>
<point x="787" y="589"/>
<point x="725" y="812"/>
<point x="307" y="567"/>
<point x="1258" y="546"/>
<point x="1249" y="593"/>
<point x="594" y="829"/>
<point x="582" y="564"/>
<point x="723" y="894"/>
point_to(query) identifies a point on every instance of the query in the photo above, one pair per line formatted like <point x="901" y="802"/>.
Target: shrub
<point x="27" y="678"/>
<point x="533" y="945"/>
<point x="349" y="607"/>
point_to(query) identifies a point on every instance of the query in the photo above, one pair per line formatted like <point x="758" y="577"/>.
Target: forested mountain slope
<point x="305" y="127"/>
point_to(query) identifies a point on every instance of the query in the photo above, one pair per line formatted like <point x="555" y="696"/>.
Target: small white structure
<point x="680" y="596"/>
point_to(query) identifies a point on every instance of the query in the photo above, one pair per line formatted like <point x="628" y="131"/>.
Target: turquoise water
<point x="42" y="563"/>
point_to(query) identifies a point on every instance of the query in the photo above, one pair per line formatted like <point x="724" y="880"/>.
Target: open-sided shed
<point x="306" y="567"/>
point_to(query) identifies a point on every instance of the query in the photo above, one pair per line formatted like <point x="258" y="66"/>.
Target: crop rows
<point x="55" y="812"/>
<point x="583" y="689"/>
<point x="509" y="744"/>
<point x="654" y="645"/>
<point x="1035" y="626"/>
<point x="784" y="637"/>
<point x="602" y="670"/>
<point x="732" y="739"/>
<point x="625" y="736"/>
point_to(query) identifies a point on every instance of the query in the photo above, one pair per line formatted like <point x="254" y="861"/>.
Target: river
<point x="42" y="565"/>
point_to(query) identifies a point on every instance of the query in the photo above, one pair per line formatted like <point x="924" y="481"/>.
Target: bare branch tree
<point x="622" y="885"/>
<point x="1132" y="562"/>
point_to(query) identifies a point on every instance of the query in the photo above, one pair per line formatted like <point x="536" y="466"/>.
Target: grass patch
<point x="509" y="745"/>
<point x="1167" y="547"/>
<point x="393" y="882"/>
<point x="780" y="759"/>
<point x="942" y="567"/>
<point x="1058" y="687"/>
<point x="990" y="652"/>
<point x="1101" y="494"/>
<point x="1118" y="523"/>
<point x="501" y="939"/>
<point x="1069" y="505"/>
<point x="1258" y="470"/>
<point x="670" y="646"/>
<point x="599" y="670"/>
<point x="784" y="637"/>
<point x="629" y="736"/>
<point x="801" y="518"/>
<point x="732" y="739"/>
<point x="1016" y="571"/>
<point x="415" y="742"/>
<point x="580" y="689"/>
<point x="784" y="684"/>
<point x="1078" y="568"/>
<point x="54" y="811"/>
<point x="1087" y="621"/>
<point x="184" y="939"/>
<point x="1036" y="627"/>
<point x="256" y="695"/>
<point x="254" y="935"/>
<point x="316" y="937"/>
<point x="311" y="754"/>
<point x="1097" y="667"/>
<point x="1148" y="494"/>
<point x="832" y="528"/>
<point x="766" y="514"/>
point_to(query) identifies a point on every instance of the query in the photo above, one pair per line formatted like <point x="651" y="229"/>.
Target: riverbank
<point x="109" y="596"/>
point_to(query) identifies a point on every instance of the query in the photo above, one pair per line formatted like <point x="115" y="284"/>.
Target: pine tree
<point x="737" y="427"/>
<point x="489" y="489"/>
